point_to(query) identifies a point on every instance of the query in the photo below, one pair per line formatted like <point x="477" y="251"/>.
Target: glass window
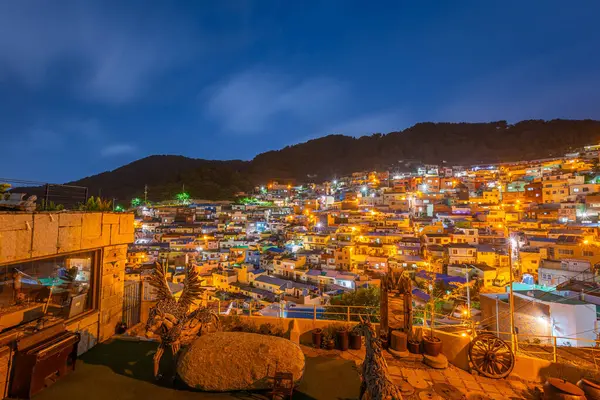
<point x="56" y="288"/>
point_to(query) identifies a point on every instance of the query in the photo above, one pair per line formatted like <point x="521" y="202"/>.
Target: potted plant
<point x="317" y="337"/>
<point x="328" y="341"/>
<point x="355" y="341"/>
<point x="342" y="338"/>
<point x="414" y="346"/>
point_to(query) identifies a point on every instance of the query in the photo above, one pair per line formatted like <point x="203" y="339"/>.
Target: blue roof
<point x="442" y="277"/>
<point x="418" y="293"/>
<point x="271" y="280"/>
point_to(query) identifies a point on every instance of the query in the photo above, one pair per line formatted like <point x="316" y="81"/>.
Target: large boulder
<point x="228" y="361"/>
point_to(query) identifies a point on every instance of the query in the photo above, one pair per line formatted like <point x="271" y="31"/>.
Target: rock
<point x="440" y="361"/>
<point x="228" y="361"/>
<point x="399" y="354"/>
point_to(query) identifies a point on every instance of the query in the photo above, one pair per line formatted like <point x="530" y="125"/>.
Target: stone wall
<point x="25" y="236"/>
<point x="44" y="234"/>
<point x="111" y="289"/>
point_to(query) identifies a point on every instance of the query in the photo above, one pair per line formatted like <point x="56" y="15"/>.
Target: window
<point x="454" y="252"/>
<point x="585" y="189"/>
<point x="588" y="253"/>
<point x="565" y="252"/>
<point x="60" y="286"/>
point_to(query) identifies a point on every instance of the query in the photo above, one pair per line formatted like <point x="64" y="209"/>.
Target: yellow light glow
<point x="586" y="242"/>
<point x="465" y="312"/>
<point x="499" y="225"/>
<point x="463" y="334"/>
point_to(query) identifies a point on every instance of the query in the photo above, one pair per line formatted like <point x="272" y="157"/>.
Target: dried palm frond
<point x="192" y="288"/>
<point x="158" y="280"/>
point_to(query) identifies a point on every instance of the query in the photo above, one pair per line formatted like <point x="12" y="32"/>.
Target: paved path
<point x="420" y="381"/>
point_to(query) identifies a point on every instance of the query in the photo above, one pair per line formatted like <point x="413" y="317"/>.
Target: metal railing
<point x="279" y="310"/>
<point x="563" y="349"/>
<point x="324" y="312"/>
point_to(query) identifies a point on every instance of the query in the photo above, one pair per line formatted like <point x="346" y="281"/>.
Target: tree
<point x="365" y="297"/>
<point x="183" y="198"/>
<point x="136" y="202"/>
<point x="4" y="187"/>
<point x="96" y="204"/>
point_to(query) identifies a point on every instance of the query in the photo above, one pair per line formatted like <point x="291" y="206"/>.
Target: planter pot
<point x="398" y="341"/>
<point x="590" y="387"/>
<point x="432" y="346"/>
<point x="414" y="346"/>
<point x="559" y="389"/>
<point x="342" y="339"/>
<point x="355" y="341"/>
<point x="330" y="345"/>
<point x="317" y="337"/>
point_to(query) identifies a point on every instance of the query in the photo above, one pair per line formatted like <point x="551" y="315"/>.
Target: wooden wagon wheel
<point x="491" y="356"/>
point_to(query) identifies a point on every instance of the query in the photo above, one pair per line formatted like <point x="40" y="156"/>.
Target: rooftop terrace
<point x="121" y="369"/>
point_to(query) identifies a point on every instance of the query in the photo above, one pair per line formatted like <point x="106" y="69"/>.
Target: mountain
<point x="323" y="158"/>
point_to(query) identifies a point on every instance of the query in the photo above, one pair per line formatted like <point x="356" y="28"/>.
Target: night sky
<point x="88" y="87"/>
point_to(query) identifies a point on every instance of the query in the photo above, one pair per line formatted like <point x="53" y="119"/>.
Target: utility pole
<point x="512" y="299"/>
<point x="145" y="194"/>
<point x="468" y="293"/>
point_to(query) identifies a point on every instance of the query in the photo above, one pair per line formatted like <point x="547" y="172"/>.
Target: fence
<point x="567" y="350"/>
<point x="132" y="303"/>
<point x="49" y="195"/>
<point x="330" y="312"/>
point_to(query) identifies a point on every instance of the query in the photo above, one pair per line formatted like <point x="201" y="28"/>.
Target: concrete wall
<point x="531" y="318"/>
<point x="538" y="370"/>
<point x="25" y="236"/>
<point x="574" y="321"/>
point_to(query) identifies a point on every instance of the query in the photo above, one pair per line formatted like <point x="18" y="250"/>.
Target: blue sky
<point x="88" y="86"/>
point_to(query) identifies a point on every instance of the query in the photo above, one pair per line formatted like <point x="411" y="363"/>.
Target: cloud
<point x="118" y="149"/>
<point x="110" y="55"/>
<point x="250" y="101"/>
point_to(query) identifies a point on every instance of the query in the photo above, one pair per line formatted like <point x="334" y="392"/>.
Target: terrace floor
<point x="122" y="370"/>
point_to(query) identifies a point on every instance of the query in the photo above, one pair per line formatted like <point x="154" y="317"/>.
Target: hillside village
<point x="290" y="249"/>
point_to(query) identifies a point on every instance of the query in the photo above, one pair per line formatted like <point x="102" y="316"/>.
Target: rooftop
<point x="549" y="297"/>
